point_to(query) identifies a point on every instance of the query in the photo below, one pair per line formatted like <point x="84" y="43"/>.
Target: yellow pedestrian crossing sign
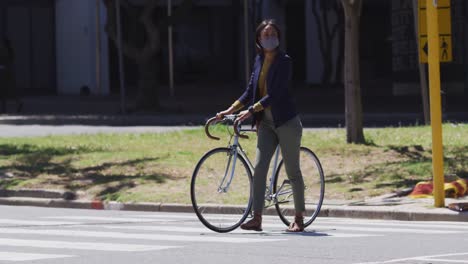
<point x="445" y="31"/>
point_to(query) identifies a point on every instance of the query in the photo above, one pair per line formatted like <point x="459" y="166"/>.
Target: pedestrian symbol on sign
<point x="444" y="49"/>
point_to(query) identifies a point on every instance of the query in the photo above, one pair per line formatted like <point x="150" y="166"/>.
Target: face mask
<point x="270" y="43"/>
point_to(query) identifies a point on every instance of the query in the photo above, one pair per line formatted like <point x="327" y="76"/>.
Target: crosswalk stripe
<point x="321" y="220"/>
<point x="439" y="227"/>
<point x="158" y="237"/>
<point x="389" y="230"/>
<point x="205" y="230"/>
<point x="17" y="256"/>
<point x="181" y="216"/>
<point x="100" y="218"/>
<point x="79" y="245"/>
<point x="426" y="258"/>
<point x="366" y="226"/>
<point x="35" y="223"/>
<point x="446" y="261"/>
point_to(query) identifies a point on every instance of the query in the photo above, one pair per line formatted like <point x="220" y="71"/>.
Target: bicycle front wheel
<point x="314" y="188"/>
<point x="221" y="183"/>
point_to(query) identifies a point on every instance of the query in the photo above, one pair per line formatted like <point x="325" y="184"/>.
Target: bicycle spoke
<point x="314" y="188"/>
<point x="221" y="181"/>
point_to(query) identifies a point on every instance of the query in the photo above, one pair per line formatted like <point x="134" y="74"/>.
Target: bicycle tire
<point x="207" y="198"/>
<point x="314" y="183"/>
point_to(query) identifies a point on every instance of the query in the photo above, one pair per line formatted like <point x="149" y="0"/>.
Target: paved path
<point x="45" y="130"/>
<point x="67" y="236"/>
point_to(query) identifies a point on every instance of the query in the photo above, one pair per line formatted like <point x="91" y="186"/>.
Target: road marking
<point x="168" y="216"/>
<point x="388" y="230"/>
<point x="327" y="221"/>
<point x="400" y="225"/>
<point x="17" y="256"/>
<point x="416" y="258"/>
<point x="237" y="231"/>
<point x="35" y="223"/>
<point x="443" y="260"/>
<point x="79" y="245"/>
<point x="158" y="237"/>
<point x="101" y="218"/>
<point x="143" y="218"/>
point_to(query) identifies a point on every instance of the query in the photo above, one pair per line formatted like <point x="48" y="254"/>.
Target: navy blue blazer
<point x="279" y="95"/>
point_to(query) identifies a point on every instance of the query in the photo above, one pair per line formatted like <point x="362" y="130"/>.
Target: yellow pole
<point x="436" y="112"/>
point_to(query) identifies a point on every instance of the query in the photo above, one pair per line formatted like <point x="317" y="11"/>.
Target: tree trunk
<point x="148" y="86"/>
<point x="353" y="103"/>
<point x="326" y="37"/>
<point x="147" y="91"/>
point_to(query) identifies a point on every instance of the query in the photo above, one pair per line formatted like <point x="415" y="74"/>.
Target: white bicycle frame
<point x="236" y="150"/>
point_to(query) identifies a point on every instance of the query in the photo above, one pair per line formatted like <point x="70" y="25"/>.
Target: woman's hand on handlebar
<point x="220" y="115"/>
<point x="243" y="116"/>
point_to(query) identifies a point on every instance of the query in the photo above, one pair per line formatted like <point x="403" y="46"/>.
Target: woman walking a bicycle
<point x="270" y="103"/>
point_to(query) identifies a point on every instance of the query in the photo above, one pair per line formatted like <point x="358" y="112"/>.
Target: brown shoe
<point x="254" y="224"/>
<point x="297" y="225"/>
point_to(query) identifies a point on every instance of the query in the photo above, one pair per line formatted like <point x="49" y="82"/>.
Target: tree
<point x="327" y="33"/>
<point x="352" y="82"/>
<point x="141" y="43"/>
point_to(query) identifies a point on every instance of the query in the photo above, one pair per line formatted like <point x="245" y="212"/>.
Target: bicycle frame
<point x="236" y="149"/>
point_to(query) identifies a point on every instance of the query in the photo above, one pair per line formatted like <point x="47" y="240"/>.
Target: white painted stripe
<point x="321" y="220"/>
<point x="237" y="231"/>
<point x="101" y="218"/>
<point x="188" y="217"/>
<point x="143" y="218"/>
<point x="165" y="228"/>
<point x="35" y="223"/>
<point x="17" y="256"/>
<point x="349" y="235"/>
<point x="371" y="221"/>
<point x="94" y="234"/>
<point x="439" y="227"/>
<point x="78" y="245"/>
<point x="386" y="230"/>
<point x="194" y="217"/>
<point x="443" y="260"/>
<point x="415" y="258"/>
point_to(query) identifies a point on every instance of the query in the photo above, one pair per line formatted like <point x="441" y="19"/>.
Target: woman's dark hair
<point x="260" y="28"/>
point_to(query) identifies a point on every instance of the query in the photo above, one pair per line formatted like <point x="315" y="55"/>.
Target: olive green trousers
<point x="288" y="137"/>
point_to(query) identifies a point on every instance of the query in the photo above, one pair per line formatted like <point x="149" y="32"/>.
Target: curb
<point x="368" y="212"/>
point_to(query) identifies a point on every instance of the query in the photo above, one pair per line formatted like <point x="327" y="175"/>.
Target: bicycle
<point x="222" y="189"/>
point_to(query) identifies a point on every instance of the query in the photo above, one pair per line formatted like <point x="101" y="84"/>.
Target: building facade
<point x="62" y="46"/>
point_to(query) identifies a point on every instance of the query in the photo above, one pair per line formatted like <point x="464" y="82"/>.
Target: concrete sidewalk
<point x="385" y="207"/>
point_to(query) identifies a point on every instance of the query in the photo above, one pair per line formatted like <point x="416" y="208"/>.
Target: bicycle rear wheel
<point x="212" y="188"/>
<point x="314" y="185"/>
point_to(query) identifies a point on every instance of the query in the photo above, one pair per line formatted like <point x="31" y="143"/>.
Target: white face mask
<point x="270" y="43"/>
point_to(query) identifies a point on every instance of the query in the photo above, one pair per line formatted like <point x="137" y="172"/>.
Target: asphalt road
<point x="72" y="236"/>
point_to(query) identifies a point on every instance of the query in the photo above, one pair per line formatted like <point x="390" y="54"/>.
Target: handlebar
<point x="231" y="118"/>
<point x="207" y="126"/>
<point x="236" y="125"/>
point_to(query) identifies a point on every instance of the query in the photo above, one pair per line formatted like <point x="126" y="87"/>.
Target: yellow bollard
<point x="436" y="112"/>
